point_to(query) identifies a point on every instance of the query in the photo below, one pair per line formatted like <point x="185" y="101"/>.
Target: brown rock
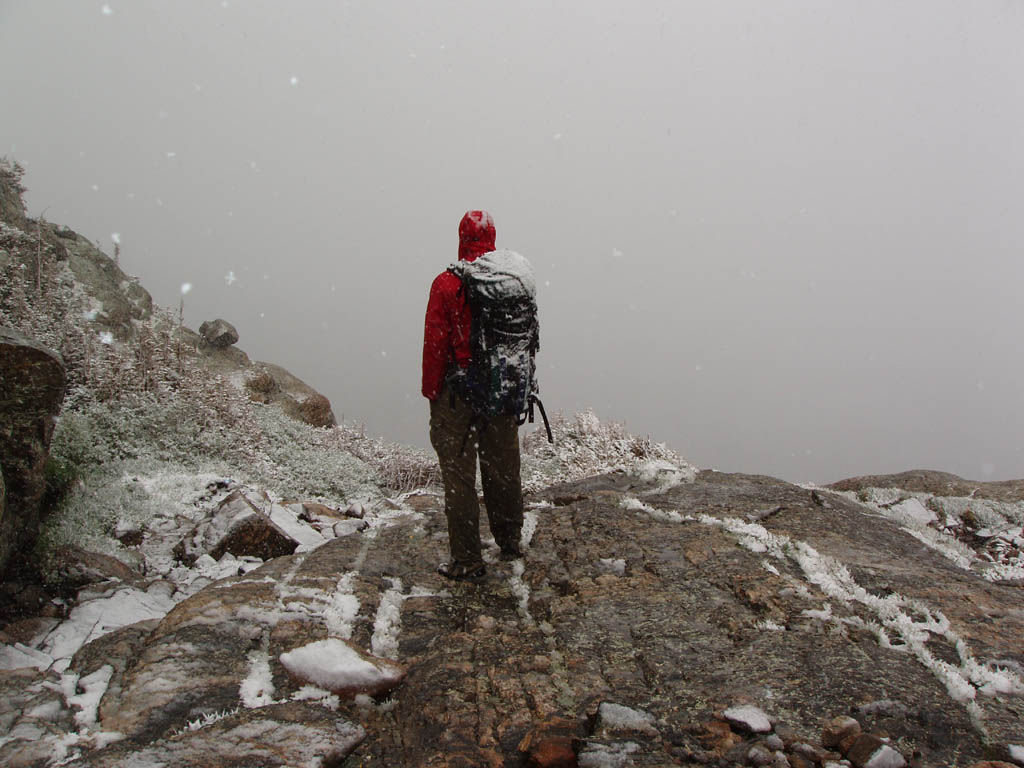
<point x="76" y="568"/>
<point x="992" y="764"/>
<point x="31" y="393"/>
<point x="837" y="729"/>
<point x="274" y="736"/>
<point x="218" y="333"/>
<point x="312" y="509"/>
<point x="27" y="631"/>
<point x="869" y="751"/>
<point x="553" y="743"/>
<point x="238" y="527"/>
<point x="718" y="737"/>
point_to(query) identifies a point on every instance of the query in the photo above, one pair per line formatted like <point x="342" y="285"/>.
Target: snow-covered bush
<point x="585" y="446"/>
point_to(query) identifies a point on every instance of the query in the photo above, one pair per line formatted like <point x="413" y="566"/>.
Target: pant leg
<point x="448" y="430"/>
<point x="500" y="474"/>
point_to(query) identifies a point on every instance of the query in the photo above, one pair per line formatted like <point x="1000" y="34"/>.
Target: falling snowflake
<point x="172" y="154"/>
<point x="106" y="10"/>
<point x="95" y="187"/>
<point x="185" y="288"/>
<point x="106" y="337"/>
<point x="294" y="80"/>
<point x="115" y="237"/>
<point x="229" y="278"/>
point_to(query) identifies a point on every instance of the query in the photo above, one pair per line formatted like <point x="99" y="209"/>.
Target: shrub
<point x="262" y="387"/>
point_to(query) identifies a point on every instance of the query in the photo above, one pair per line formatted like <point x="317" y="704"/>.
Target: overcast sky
<point x="783" y="237"/>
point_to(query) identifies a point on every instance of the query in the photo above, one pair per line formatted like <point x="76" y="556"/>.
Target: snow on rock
<point x="94" y="618"/>
<point x="257" y="690"/>
<point x="339" y="666"/>
<point x="595" y="755"/>
<point x="20" y="656"/>
<point x="93" y="687"/>
<point x="613" y="718"/>
<point x="1016" y="753"/>
<point x="388" y="622"/>
<point x="343" y="608"/>
<point x="913" y="510"/>
<point x="300" y="531"/>
<point x="666" y="474"/>
<point x="748" y="719"/>
<point x="613" y="565"/>
<point x="240" y="527"/>
<point x="529" y="528"/>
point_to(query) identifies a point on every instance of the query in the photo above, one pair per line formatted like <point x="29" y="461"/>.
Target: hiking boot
<point x="512" y="552"/>
<point x="462" y="571"/>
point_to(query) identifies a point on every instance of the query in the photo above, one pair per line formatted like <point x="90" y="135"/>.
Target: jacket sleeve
<point x="445" y="333"/>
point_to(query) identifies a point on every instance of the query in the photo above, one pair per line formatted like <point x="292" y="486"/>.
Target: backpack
<point x="504" y="337"/>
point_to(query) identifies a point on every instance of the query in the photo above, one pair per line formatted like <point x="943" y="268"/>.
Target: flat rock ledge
<point x="645" y="626"/>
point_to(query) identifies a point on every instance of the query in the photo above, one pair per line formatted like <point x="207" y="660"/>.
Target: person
<point x="456" y="435"/>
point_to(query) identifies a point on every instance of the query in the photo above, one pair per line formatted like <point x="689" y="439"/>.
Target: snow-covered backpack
<point x="504" y="335"/>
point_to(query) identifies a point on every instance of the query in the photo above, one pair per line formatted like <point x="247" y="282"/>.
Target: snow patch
<point x="93" y="687"/>
<point x="95" y="618"/>
<point x="749" y="718"/>
<point x="530" y="520"/>
<point x="521" y="590"/>
<point x="617" y="565"/>
<point x="388" y="622"/>
<point x="334" y="665"/>
<point x="615" y="717"/>
<point x="257" y="689"/>
<point x="596" y="755"/>
<point x="343" y="609"/>
<point x="319" y="696"/>
<point x="19" y="656"/>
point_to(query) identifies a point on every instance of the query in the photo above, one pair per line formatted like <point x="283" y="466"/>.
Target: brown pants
<point x="498" y="445"/>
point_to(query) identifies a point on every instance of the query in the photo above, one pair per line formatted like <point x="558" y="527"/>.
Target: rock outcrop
<point x="119" y="304"/>
<point x="31" y="393"/>
<point x="218" y="333"/>
<point x="732" y="620"/>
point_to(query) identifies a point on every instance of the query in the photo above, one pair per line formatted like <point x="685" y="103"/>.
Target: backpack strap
<point x="534" y="400"/>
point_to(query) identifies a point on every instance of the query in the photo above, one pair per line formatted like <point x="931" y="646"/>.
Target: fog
<point x="782" y="237"/>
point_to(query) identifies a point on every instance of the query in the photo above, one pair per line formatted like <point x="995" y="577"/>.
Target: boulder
<point x="869" y="751"/>
<point x="218" y="333"/>
<point x="74" y="568"/>
<point x="31" y="393"/>
<point x="237" y="527"/>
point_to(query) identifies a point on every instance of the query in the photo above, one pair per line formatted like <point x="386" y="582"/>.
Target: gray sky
<point x="783" y="237"/>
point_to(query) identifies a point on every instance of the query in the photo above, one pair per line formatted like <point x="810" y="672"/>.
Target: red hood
<point x="476" y="235"/>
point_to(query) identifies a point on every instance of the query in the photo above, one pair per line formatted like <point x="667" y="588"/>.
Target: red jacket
<point x="446" y="330"/>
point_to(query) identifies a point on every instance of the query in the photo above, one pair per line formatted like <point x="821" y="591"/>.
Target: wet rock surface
<point x="31" y="393"/>
<point x="734" y="620"/>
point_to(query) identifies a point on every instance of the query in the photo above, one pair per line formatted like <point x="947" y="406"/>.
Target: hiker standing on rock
<point x="480" y="338"/>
